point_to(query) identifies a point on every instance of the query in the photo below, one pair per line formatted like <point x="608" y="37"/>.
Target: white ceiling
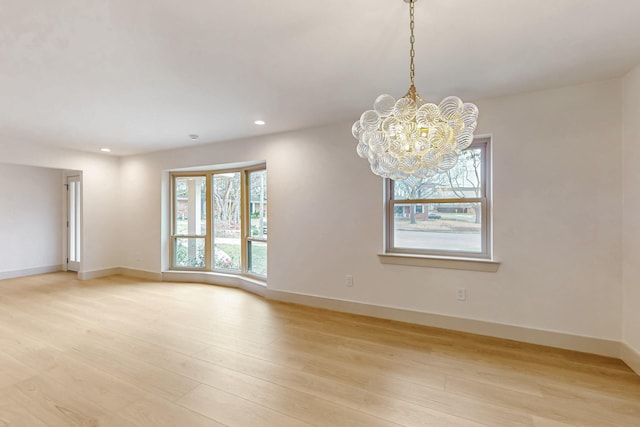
<point x="141" y="75"/>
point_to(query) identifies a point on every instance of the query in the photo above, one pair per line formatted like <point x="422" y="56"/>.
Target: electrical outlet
<point x="461" y="294"/>
<point x="348" y="280"/>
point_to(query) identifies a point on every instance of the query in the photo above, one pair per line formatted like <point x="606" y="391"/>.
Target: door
<point x="73" y="223"/>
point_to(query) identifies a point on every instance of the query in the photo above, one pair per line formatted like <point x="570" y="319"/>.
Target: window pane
<point x="74" y="219"/>
<point x="190" y="205"/>
<point x="227" y="229"/>
<point x="189" y="252"/>
<point x="226" y="256"/>
<point x="257" y="257"/>
<point x="438" y="227"/>
<point x="258" y="204"/>
<point x="463" y="181"/>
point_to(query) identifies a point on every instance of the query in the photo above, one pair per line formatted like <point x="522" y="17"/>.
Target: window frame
<point x="242" y="220"/>
<point x="485" y="200"/>
<point x="173" y="231"/>
<point x="245" y="237"/>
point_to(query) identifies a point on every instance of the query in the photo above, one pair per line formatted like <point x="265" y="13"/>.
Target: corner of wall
<point x="630" y="357"/>
<point x="630" y="313"/>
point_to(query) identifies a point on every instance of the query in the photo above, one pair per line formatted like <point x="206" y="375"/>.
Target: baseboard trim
<point x="561" y="340"/>
<point x="229" y="280"/>
<point x="30" y="271"/>
<point x="96" y="274"/>
<point x="141" y="274"/>
<point x="630" y="357"/>
<point x="124" y="271"/>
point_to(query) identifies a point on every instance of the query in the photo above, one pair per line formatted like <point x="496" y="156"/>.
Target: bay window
<point x="219" y="221"/>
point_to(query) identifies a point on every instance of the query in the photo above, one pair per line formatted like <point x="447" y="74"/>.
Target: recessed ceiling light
<point x="105" y="150"/>
<point x="260" y="122"/>
<point x="194" y="136"/>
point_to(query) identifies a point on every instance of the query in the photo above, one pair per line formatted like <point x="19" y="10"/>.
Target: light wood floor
<point x="128" y="353"/>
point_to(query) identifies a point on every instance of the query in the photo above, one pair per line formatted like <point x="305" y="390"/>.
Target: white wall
<point x="31" y="206"/>
<point x="557" y="225"/>
<point x="100" y="205"/>
<point x="631" y="210"/>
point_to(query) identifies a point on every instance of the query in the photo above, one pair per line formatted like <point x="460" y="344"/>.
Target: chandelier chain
<point x="412" y="52"/>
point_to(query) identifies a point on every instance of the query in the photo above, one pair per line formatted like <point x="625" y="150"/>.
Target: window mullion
<point x="244" y="220"/>
<point x="429" y="201"/>
<point x="208" y="241"/>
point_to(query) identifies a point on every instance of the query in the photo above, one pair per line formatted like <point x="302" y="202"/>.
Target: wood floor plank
<point x="12" y="371"/>
<point x="147" y="377"/>
<point x="56" y="405"/>
<point x="232" y="372"/>
<point x="546" y="422"/>
<point x="292" y="402"/>
<point x="93" y="383"/>
<point x="160" y="413"/>
<point x="625" y="385"/>
<point x="559" y="409"/>
<point x="123" y="352"/>
<point x="37" y="355"/>
<point x="235" y="411"/>
<point x="13" y="414"/>
<point x="352" y="357"/>
<point x="374" y="397"/>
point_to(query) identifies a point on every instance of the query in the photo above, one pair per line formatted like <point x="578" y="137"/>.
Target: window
<point x="219" y="221"/>
<point x="189" y="221"/>
<point x="257" y="233"/>
<point x="227" y="224"/>
<point x="445" y="215"/>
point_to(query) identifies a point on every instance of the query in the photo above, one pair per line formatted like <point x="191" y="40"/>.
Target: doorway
<point x="73" y="223"/>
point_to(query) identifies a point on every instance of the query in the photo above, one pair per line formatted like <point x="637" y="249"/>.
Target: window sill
<point x="471" y="264"/>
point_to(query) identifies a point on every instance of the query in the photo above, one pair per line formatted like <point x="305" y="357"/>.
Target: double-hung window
<point x="447" y="215"/>
<point x="219" y="221"/>
<point x="190" y="227"/>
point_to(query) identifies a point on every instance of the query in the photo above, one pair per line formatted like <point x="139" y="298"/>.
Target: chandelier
<point x="410" y="137"/>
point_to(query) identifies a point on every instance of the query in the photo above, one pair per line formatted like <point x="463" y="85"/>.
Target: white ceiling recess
<point x="143" y="75"/>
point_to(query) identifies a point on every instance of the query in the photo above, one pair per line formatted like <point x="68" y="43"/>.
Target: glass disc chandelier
<point x="410" y="137"/>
